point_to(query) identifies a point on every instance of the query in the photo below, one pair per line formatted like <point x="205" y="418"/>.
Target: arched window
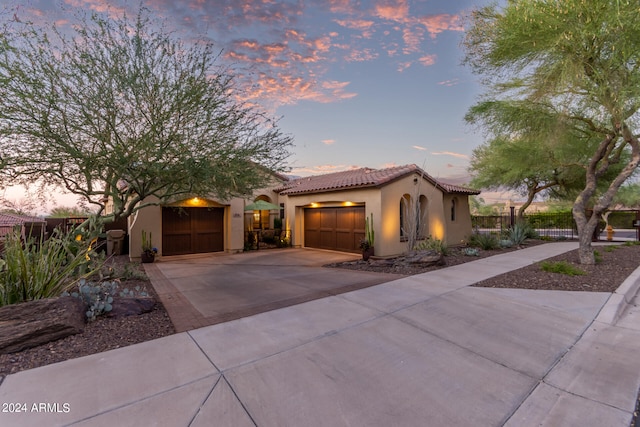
<point x="454" y="204"/>
<point x="405" y="209"/>
<point x="423" y="225"/>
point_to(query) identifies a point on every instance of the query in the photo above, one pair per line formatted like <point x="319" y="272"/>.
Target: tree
<point x="69" y="212"/>
<point x="629" y="195"/>
<point x="578" y="62"/>
<point x="122" y="112"/>
<point x="525" y="153"/>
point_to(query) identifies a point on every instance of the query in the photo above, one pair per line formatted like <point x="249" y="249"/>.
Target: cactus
<point x="369" y="233"/>
<point x="97" y="296"/>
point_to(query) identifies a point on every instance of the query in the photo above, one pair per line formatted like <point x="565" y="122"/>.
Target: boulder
<point x="38" y="322"/>
<point x="123" y="307"/>
<point x="427" y="258"/>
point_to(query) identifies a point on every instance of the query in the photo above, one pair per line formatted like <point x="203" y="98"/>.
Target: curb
<point x="620" y="299"/>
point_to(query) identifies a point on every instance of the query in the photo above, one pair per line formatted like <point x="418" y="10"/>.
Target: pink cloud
<point x="427" y="60"/>
<point x="355" y="24"/>
<point x="361" y="55"/>
<point x="322" y="169"/>
<point x="435" y="24"/>
<point x="392" y="10"/>
<point x="328" y="141"/>
<point x="404" y="65"/>
<point x="451" y="82"/>
<point x="450" y="153"/>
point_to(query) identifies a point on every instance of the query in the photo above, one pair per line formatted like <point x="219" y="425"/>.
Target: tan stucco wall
<point x="392" y="195"/>
<point x="294" y="208"/>
<point x="384" y="203"/>
<point x="148" y="219"/>
<point x="458" y="231"/>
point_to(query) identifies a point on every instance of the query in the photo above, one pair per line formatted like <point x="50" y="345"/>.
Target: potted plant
<point x="148" y="251"/>
<point x="366" y="244"/>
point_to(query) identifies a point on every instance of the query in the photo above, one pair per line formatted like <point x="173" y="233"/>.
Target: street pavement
<point x="425" y="350"/>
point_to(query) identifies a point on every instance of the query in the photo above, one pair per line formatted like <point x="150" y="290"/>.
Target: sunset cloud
<point x="328" y="141"/>
<point x="278" y="50"/>
<point x="449" y="83"/>
<point x="450" y="153"/>
<point x="322" y="169"/>
<point x="418" y="147"/>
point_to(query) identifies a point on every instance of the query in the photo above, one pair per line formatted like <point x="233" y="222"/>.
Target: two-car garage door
<point x="192" y="230"/>
<point x="339" y="229"/>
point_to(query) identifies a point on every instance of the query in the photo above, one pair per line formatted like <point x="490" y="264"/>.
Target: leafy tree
<point x="578" y="63"/>
<point x="121" y="111"/>
<point x="629" y="195"/>
<point x="69" y="212"/>
<point x="480" y="207"/>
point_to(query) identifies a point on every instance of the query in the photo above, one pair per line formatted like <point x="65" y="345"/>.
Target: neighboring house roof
<point x="8" y="220"/>
<point x="363" y="178"/>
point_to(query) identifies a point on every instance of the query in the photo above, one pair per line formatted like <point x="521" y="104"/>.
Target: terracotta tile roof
<point x="7" y="220"/>
<point x="362" y="178"/>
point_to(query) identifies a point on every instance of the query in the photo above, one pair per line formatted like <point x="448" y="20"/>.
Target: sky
<point x="373" y="83"/>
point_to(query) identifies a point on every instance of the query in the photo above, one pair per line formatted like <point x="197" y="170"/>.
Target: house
<point x="28" y="225"/>
<point x="324" y="211"/>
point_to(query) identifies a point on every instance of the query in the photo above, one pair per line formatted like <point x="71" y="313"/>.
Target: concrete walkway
<point x="424" y="350"/>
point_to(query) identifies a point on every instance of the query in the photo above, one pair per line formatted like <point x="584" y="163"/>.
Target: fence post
<point x="512" y="216"/>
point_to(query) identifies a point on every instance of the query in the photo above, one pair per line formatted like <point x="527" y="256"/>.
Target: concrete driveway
<point x="206" y="289"/>
<point x="425" y="350"/>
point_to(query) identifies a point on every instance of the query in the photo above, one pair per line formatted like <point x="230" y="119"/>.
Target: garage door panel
<point x="192" y="230"/>
<point x="334" y="228"/>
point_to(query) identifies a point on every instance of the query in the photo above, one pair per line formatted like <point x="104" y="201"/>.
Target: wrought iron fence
<point x="558" y="225"/>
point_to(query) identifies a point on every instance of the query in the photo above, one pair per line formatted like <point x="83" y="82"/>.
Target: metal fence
<point x="559" y="225"/>
<point x="556" y="225"/>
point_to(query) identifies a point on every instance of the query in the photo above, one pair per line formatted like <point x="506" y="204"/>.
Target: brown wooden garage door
<point x="339" y="229"/>
<point x="192" y="230"/>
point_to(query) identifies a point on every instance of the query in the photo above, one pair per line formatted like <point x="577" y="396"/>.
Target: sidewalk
<point x="424" y="350"/>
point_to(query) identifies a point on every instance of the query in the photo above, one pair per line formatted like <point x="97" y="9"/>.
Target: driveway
<point x="205" y="289"/>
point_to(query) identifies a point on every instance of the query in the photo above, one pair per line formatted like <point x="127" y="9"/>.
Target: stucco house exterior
<point x="323" y="211"/>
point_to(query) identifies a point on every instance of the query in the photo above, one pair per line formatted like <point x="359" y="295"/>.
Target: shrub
<point x="430" y="244"/>
<point x="561" y="267"/>
<point x="471" y="252"/>
<point x="484" y="241"/>
<point x="37" y="269"/>
<point x="519" y="233"/>
<point x="505" y="243"/>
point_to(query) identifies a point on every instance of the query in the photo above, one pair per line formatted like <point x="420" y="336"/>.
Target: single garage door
<point x="338" y="229"/>
<point x="192" y="230"/>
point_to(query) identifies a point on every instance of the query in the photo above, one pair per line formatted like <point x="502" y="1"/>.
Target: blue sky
<point x="368" y="83"/>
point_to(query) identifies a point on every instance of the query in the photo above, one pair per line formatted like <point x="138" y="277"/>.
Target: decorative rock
<point x="123" y="307"/>
<point x="38" y="322"/>
<point x="426" y="258"/>
<point x="429" y="260"/>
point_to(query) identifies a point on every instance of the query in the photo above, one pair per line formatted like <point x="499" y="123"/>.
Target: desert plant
<point x="98" y="296"/>
<point x="484" y="241"/>
<point x="561" y="267"/>
<point x="518" y="233"/>
<point x="505" y="243"/>
<point x="369" y="233"/>
<point x="431" y="244"/>
<point x="471" y="252"/>
<point x="138" y="291"/>
<point x="35" y="269"/>
<point x="147" y="244"/>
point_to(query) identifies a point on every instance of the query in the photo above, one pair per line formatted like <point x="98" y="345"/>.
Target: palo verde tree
<point x="114" y="109"/>
<point x="527" y="153"/>
<point x="578" y="62"/>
